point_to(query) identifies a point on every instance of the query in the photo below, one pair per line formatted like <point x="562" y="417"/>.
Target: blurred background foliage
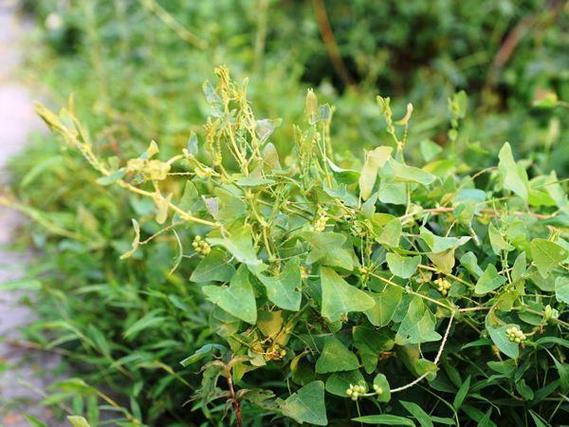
<point x="136" y="68"/>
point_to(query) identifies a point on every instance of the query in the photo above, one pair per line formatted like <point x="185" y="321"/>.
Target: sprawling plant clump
<point x="385" y="294"/>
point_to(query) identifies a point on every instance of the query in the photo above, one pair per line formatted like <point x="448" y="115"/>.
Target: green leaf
<point x="546" y="255"/>
<point x="418" y="326"/>
<point x="283" y="289"/>
<point x="461" y="394"/>
<point x="307" y="405"/>
<point x="150" y="320"/>
<point x="77" y="421"/>
<point x="339" y="297"/>
<point x="271" y="160"/>
<point x="562" y="289"/>
<point x="470" y="262"/>
<point x="441" y="244"/>
<point x="238" y="299"/>
<point x="514" y="175"/>
<point x="374" y="160"/>
<point x="385" y="420"/>
<point x="190" y="201"/>
<point x="539" y="422"/>
<point x="253" y="181"/>
<point x="111" y="178"/>
<point x="392" y="192"/>
<point x="327" y="248"/>
<point x="35" y="422"/>
<point x="500" y="339"/>
<point x="403" y="266"/>
<point x="386" y="302"/>
<point x="344" y="176"/>
<point x="341" y="192"/>
<point x="391" y="233"/>
<point x="380" y="381"/>
<point x="213" y="268"/>
<point x="336" y="357"/>
<point x="420" y="415"/>
<point x="524" y="390"/>
<point x="497" y="241"/>
<point x="238" y="241"/>
<point x="519" y="268"/>
<point x="370" y="344"/>
<point x="338" y="383"/>
<point x="405" y="173"/>
<point x="200" y="353"/>
<point x="429" y="149"/>
<point x="489" y="280"/>
<point x="23" y="284"/>
<point x="563" y="371"/>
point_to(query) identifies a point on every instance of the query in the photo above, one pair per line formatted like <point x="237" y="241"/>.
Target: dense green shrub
<point x="136" y="70"/>
<point x="385" y="293"/>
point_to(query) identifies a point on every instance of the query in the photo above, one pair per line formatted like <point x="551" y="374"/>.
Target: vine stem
<point x="436" y="361"/>
<point x="234" y="400"/>
<point x="412" y="292"/>
<point x="180" y="30"/>
<point x="330" y="43"/>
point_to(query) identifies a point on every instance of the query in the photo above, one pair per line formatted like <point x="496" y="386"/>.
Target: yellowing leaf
<point x="374" y="160"/>
<point x="135" y="242"/>
<point x="77" y="421"/>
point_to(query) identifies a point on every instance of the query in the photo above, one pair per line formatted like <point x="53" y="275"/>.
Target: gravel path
<point x="22" y="373"/>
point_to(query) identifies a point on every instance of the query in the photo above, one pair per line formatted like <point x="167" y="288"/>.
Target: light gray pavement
<point x="21" y="371"/>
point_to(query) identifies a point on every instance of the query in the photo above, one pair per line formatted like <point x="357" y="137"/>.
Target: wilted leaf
<point x="135" y="242"/>
<point x="374" y="160"/>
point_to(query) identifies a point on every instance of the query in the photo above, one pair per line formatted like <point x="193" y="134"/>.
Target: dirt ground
<point x="23" y="377"/>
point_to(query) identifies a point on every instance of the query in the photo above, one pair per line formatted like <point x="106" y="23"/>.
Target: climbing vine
<point x="406" y="293"/>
